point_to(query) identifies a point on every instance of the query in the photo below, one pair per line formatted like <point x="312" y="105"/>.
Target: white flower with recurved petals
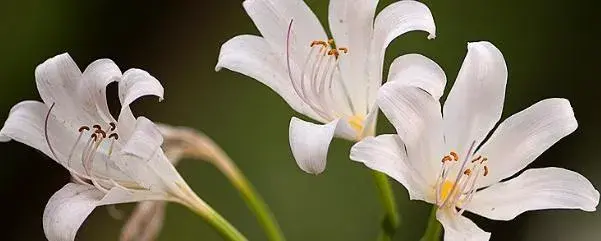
<point x="111" y="161"/>
<point x="441" y="156"/>
<point x="331" y="81"/>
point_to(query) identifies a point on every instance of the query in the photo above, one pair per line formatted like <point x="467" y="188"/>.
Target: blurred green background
<point x="551" y="48"/>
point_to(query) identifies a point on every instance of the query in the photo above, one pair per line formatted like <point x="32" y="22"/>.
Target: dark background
<point x="551" y="48"/>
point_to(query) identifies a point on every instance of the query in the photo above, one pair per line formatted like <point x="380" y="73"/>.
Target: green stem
<point x="202" y="209"/>
<point x="392" y="219"/>
<point x="434" y="228"/>
<point x="252" y="198"/>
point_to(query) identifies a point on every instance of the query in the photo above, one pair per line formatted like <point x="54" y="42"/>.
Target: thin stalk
<point x="202" y="209"/>
<point x="434" y="228"/>
<point x="392" y="219"/>
<point x="189" y="143"/>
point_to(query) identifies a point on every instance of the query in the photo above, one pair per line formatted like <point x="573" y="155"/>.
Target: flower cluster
<point x="443" y="155"/>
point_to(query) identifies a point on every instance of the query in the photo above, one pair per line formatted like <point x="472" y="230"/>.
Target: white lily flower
<point x="332" y="81"/>
<point x="471" y="176"/>
<point x="112" y="161"/>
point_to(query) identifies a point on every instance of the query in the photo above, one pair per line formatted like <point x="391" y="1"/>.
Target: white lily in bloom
<point x="112" y="161"/>
<point x="332" y="81"/>
<point x="439" y="156"/>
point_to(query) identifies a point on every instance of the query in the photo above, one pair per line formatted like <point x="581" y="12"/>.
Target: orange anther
<point x="344" y="50"/>
<point x="467" y="172"/>
<point x="319" y="42"/>
<point x="455" y="156"/>
<point x="446" y="159"/>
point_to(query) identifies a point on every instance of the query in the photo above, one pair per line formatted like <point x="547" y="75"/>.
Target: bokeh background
<point x="551" y="48"/>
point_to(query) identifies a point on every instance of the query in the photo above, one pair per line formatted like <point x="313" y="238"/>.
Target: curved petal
<point x="460" y="228"/>
<point x="252" y="56"/>
<point x="536" y="189"/>
<point x="97" y="76"/>
<point x="475" y="102"/>
<point x="67" y="209"/>
<point x="386" y="153"/>
<point x="26" y="124"/>
<point x="394" y="20"/>
<point x="134" y="84"/>
<point x="419" y="71"/>
<point x="58" y="80"/>
<point x="351" y="24"/>
<point x="416" y="116"/>
<point x="272" y="18"/>
<point x="70" y="206"/>
<point x="310" y="142"/>
<point x="521" y="138"/>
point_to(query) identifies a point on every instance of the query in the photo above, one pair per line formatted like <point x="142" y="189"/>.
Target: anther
<point x="483" y="160"/>
<point x="485" y="170"/>
<point x="476" y="159"/>
<point x="97" y="127"/>
<point x="113" y="126"/>
<point x="84" y="128"/>
<point x="467" y="172"/>
<point x="334" y="52"/>
<point x="446" y="159"/>
<point x="114" y="135"/>
<point x="101" y="132"/>
<point x="93" y="136"/>
<point x="319" y="42"/>
<point x="455" y="156"/>
<point x="344" y="50"/>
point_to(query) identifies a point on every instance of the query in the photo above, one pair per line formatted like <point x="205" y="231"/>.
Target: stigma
<point x="456" y="184"/>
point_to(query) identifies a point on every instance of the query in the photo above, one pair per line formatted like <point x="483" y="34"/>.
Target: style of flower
<point x="111" y="161"/>
<point x="441" y="157"/>
<point x="331" y="81"/>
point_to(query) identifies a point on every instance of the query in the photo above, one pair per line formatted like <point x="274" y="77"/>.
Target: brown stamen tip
<point x="84" y="128"/>
<point x="113" y="126"/>
<point x="334" y="52"/>
<point x="101" y="132"/>
<point x="114" y="135"/>
<point x="94" y="136"/>
<point x="467" y="172"/>
<point x="476" y="159"/>
<point x="319" y="42"/>
<point x="483" y="160"/>
<point x="97" y="127"/>
<point x="446" y="159"/>
<point x="344" y="50"/>
<point x="455" y="156"/>
<point x="485" y="170"/>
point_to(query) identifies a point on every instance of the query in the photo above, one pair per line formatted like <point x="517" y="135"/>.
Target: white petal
<point x="309" y="144"/>
<point x="416" y="116"/>
<point x="272" y="18"/>
<point x="97" y="76"/>
<point x="475" y="102"/>
<point x="253" y="56"/>
<point x="386" y="153"/>
<point x="460" y="228"/>
<point x="351" y="23"/>
<point x="67" y="209"/>
<point x="419" y="71"/>
<point x="70" y="206"/>
<point x="394" y="20"/>
<point x="143" y="159"/>
<point x="59" y="82"/>
<point x="536" y="189"/>
<point x="26" y="124"/>
<point x="145" y="222"/>
<point x="134" y="84"/>
<point x="521" y="138"/>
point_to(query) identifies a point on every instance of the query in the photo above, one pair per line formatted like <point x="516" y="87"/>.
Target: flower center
<point x="356" y="122"/>
<point x="457" y="180"/>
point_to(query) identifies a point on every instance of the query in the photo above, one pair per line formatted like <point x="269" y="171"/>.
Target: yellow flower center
<point x="445" y="189"/>
<point x="356" y="123"/>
